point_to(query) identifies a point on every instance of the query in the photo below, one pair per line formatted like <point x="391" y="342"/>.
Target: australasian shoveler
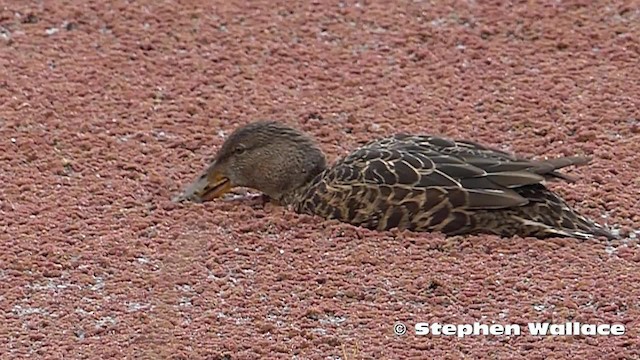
<point x="414" y="182"/>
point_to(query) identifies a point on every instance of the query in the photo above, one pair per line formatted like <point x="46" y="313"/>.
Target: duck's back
<point x="428" y="183"/>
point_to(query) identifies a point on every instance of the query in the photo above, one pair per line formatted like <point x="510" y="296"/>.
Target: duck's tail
<point x="547" y="215"/>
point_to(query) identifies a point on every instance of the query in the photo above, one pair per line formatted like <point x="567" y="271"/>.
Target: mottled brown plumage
<point x="415" y="182"/>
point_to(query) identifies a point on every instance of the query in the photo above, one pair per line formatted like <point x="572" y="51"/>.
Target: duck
<point x="422" y="183"/>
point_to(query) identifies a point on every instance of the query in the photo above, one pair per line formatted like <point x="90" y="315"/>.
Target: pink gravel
<point x="108" y="108"/>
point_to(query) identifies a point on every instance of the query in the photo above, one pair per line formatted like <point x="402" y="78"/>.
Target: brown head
<point x="267" y="156"/>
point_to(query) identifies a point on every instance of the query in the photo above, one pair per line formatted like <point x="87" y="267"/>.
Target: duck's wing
<point x="484" y="177"/>
<point x="473" y="154"/>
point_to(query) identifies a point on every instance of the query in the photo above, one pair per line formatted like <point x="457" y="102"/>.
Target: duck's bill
<point x="205" y="188"/>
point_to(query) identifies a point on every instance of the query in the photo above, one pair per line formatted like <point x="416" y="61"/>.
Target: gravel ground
<point x="108" y="108"/>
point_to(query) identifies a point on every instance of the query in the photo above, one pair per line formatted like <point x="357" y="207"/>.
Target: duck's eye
<point x="239" y="149"/>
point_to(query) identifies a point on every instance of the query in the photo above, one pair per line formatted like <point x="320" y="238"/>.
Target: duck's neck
<point x="295" y="196"/>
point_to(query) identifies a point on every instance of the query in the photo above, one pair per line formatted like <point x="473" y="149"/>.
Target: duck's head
<point x="266" y="156"/>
